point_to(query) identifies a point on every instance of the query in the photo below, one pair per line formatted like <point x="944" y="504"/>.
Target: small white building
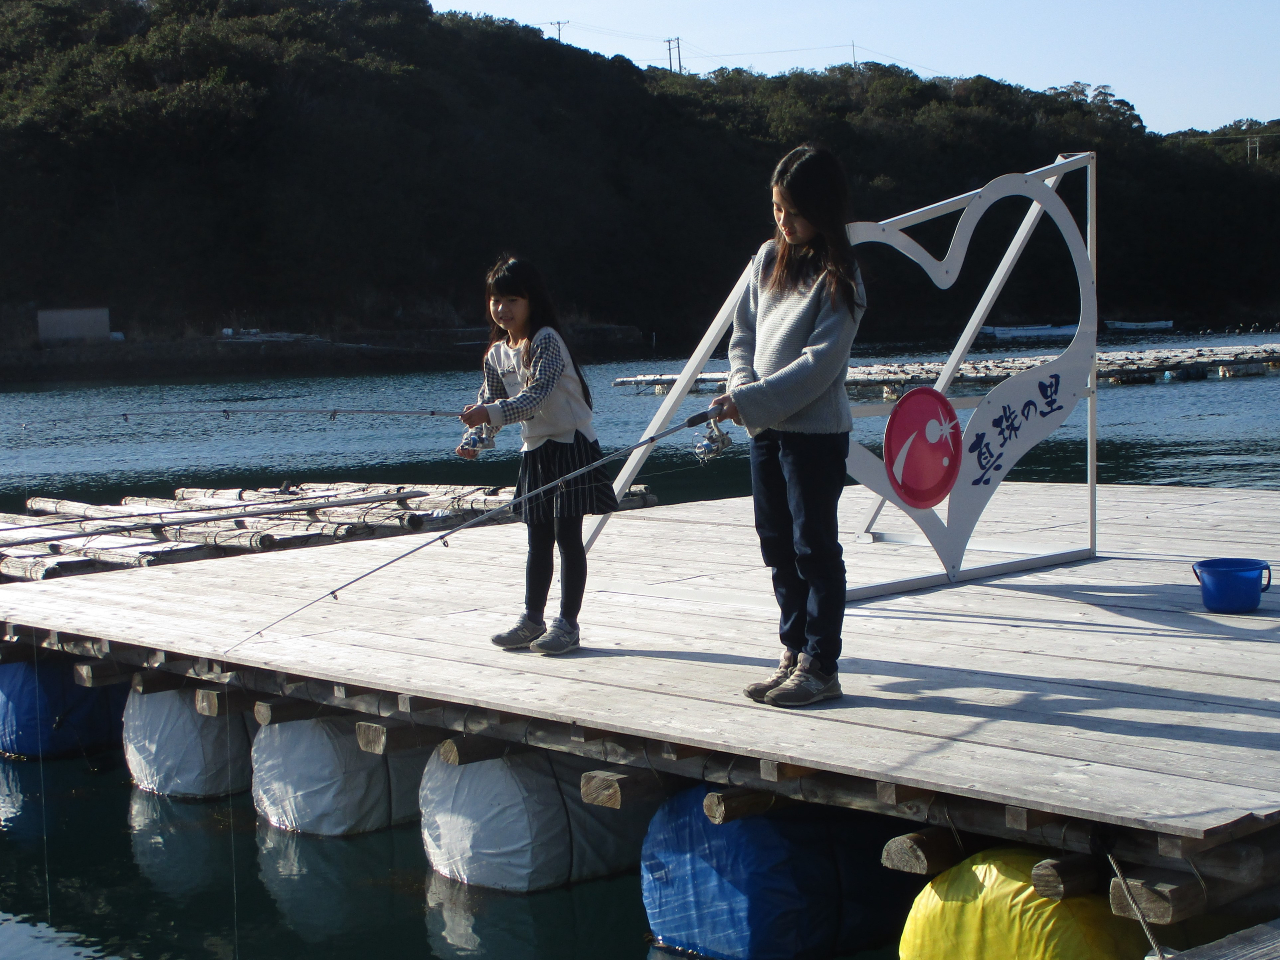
<point x="62" y="325"/>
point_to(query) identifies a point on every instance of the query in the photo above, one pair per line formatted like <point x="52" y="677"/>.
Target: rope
<point x="564" y="805"/>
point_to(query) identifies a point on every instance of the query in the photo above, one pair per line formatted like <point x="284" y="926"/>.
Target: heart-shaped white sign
<point x="1018" y="412"/>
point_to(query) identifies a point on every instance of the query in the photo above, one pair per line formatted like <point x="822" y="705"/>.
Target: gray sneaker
<point x="806" y="685"/>
<point x="521" y="635"/>
<point x="786" y="666"/>
<point x="561" y="637"/>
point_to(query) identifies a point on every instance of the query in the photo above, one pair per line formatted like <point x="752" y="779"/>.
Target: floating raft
<point x="1114" y="367"/>
<point x="137" y="531"/>
<point x="1078" y="708"/>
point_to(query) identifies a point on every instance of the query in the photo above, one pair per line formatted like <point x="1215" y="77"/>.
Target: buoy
<point x="45" y="713"/>
<point x="987" y="906"/>
<point x="799" y="882"/>
<point x="518" y="822"/>
<point x="173" y="750"/>
<point x="311" y="776"/>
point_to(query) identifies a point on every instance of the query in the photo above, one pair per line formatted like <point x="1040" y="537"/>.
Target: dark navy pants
<point x="796" y="480"/>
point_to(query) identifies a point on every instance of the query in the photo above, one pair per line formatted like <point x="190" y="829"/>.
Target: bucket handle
<point x="1198" y="580"/>
<point x="1267" y="586"/>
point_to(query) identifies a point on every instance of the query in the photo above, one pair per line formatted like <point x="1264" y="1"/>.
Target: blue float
<point x="45" y="713"/>
<point x="801" y="882"/>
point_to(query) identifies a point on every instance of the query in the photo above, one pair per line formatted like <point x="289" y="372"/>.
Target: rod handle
<point x="698" y="419"/>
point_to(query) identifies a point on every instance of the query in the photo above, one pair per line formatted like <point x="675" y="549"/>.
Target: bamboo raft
<point x="1082" y="709"/>
<point x="1116" y="367"/>
<point x="199" y="523"/>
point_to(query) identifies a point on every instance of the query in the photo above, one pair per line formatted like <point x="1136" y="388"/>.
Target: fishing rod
<point x="706" y="450"/>
<point x="228" y="412"/>
<point x="207" y="516"/>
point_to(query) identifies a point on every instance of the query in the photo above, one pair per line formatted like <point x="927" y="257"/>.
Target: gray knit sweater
<point x="789" y="354"/>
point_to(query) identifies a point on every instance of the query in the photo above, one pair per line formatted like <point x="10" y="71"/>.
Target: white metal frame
<point x="1072" y="376"/>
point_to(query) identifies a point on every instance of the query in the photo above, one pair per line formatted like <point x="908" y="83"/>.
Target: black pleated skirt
<point x="590" y="493"/>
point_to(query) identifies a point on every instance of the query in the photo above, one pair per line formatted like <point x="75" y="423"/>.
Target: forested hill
<point x="331" y="165"/>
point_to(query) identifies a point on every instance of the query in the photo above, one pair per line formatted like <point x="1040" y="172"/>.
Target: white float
<point x="518" y="823"/>
<point x="311" y="776"/>
<point x="173" y="750"/>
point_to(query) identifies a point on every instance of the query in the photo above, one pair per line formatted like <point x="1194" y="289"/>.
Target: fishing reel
<point x="478" y="442"/>
<point x="710" y="445"/>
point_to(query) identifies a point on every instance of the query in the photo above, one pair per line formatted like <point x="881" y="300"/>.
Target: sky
<point x="1181" y="64"/>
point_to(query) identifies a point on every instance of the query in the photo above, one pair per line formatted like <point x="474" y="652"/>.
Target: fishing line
<point x="44" y="804"/>
<point x="231" y="830"/>
<point x="697" y="420"/>
<point x="44" y="819"/>
<point x="228" y="412"/>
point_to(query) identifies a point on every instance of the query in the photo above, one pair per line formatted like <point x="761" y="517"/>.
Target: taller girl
<point x="788" y="357"/>
<point x="530" y="378"/>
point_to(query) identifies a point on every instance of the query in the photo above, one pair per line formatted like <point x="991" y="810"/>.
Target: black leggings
<point x="567" y="533"/>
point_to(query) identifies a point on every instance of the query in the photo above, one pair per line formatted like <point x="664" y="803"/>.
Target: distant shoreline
<point x="275" y="356"/>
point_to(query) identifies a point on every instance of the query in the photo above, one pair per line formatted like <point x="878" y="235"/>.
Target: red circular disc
<point x="922" y="447"/>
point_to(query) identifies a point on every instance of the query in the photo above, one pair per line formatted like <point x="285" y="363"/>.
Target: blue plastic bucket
<point x="1232" y="585"/>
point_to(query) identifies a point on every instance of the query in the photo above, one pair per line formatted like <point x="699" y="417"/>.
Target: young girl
<point x="788" y="357"/>
<point x="530" y="378"/>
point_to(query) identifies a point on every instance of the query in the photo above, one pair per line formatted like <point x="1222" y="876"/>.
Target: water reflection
<point x="183" y="848"/>
<point x="572" y="922"/>
<point x="329" y="886"/>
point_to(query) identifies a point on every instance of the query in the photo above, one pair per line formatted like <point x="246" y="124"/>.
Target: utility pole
<point x="1252" y="149"/>
<point x="558" y="24"/>
<point x="854" y="48"/>
<point x="670" y="63"/>
<point x="679" y="62"/>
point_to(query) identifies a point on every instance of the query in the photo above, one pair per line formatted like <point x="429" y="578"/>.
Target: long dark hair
<point x="513" y="276"/>
<point x="813" y="180"/>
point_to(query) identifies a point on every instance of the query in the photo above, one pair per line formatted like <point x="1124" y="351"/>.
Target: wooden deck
<point x="1101" y="691"/>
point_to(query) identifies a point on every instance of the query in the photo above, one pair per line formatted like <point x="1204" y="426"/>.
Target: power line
<point x="837" y="46"/>
<point x="679" y="62"/>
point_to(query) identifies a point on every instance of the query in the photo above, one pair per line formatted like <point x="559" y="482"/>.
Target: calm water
<point x="69" y="440"/>
<point x="89" y="867"/>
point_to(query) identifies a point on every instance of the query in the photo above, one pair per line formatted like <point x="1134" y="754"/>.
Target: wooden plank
<point x="1257" y="943"/>
<point x="998" y="724"/>
<point x="395" y="736"/>
<point x="1073" y="875"/>
<point x="459" y="751"/>
<point x="929" y="851"/>
<point x="158" y="681"/>
<point x="289" y="710"/>
<point x="103" y="673"/>
<point x="615" y="788"/>
<point x="228" y="700"/>
<point x="1020" y="818"/>
<point x="734" y="803"/>
<point x="776" y="771"/>
<point x="896" y="794"/>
